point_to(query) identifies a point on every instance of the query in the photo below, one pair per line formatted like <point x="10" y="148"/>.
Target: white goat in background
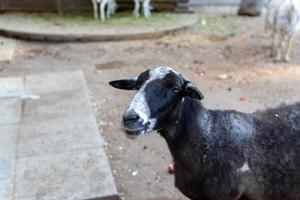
<point x="146" y="8"/>
<point x="103" y="12"/>
<point x="283" y="21"/>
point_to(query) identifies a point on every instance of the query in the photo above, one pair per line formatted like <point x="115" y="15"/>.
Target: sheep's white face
<point x="159" y="92"/>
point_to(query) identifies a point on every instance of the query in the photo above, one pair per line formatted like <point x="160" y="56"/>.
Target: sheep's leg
<point x="102" y="9"/>
<point x="289" y="43"/>
<point x="273" y="45"/>
<point x="268" y="27"/>
<point x="95" y="7"/>
<point x="146" y="8"/>
<point x="266" y="31"/>
<point x="111" y="8"/>
<point x="108" y="11"/>
<point x="280" y="47"/>
<point x="136" y="10"/>
<point x="114" y="7"/>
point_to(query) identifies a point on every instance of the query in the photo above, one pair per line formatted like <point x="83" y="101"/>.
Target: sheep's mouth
<point x="133" y="134"/>
<point x="133" y="130"/>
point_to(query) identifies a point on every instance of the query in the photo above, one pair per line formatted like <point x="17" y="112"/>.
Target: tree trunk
<point x="250" y="7"/>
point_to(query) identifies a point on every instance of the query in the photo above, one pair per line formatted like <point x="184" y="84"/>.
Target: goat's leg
<point x="95" y="8"/>
<point x="136" y="10"/>
<point x="289" y="42"/>
<point x="146" y="8"/>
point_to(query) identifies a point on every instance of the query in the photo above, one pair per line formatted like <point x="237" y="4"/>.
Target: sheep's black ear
<point x="192" y="91"/>
<point x="124" y="84"/>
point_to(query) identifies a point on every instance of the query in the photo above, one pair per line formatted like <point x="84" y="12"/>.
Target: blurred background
<point x="220" y="45"/>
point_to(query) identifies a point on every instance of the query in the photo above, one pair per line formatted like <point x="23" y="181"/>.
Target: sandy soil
<point x="231" y="67"/>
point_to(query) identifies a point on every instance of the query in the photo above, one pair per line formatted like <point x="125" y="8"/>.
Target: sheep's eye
<point x="176" y="90"/>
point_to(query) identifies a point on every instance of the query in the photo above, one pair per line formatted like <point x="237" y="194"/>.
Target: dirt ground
<point x="225" y="55"/>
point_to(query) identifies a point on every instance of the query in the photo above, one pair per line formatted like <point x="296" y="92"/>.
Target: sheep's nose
<point x="131" y="116"/>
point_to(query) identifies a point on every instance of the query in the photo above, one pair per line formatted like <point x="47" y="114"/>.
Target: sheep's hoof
<point x="277" y="60"/>
<point x="286" y="59"/>
<point x="265" y="34"/>
<point x="272" y="54"/>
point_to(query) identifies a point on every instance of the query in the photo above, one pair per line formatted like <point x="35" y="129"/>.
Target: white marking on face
<point x="139" y="103"/>
<point x="160" y="72"/>
<point x="244" y="168"/>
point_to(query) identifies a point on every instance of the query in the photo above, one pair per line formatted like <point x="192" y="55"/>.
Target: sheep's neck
<point x="188" y="134"/>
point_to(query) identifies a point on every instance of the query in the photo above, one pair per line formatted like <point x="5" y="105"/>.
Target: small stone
<point x="222" y="76"/>
<point x="120" y="148"/>
<point x="157" y="178"/>
<point x="30" y="97"/>
<point x="134" y="173"/>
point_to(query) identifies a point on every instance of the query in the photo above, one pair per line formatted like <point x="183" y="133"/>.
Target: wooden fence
<point x="85" y="5"/>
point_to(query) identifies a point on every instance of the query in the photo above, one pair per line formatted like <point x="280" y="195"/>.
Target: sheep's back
<point x="275" y="160"/>
<point x="287" y="116"/>
<point x="284" y="15"/>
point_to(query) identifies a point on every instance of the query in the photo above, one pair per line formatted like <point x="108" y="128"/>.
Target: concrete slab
<point x="11" y="87"/>
<point x="8" y="137"/>
<point x="55" y="124"/>
<point x="50" y="145"/>
<point x="55" y="82"/>
<point x="72" y="103"/>
<point x="6" y="183"/>
<point x="71" y="175"/>
<point x="10" y="110"/>
<point x="7" y="49"/>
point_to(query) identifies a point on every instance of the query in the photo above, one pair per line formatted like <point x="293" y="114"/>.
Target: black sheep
<point x="218" y="154"/>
